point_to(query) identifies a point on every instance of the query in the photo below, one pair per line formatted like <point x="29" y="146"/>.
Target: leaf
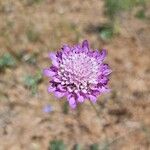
<point x="114" y="7"/>
<point x="32" y="81"/>
<point x="140" y="14"/>
<point x="94" y="147"/>
<point x="77" y="147"/>
<point x="57" y="145"/>
<point x="106" y="33"/>
<point x="7" y="60"/>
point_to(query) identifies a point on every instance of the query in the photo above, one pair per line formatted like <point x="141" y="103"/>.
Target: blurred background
<point x="29" y="29"/>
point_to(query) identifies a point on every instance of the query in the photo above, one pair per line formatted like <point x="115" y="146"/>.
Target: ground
<point x="29" y="29"/>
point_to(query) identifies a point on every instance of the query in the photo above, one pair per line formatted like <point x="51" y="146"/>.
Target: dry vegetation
<point x="29" y="29"/>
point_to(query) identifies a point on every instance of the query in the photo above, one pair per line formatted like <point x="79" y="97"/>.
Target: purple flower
<point x="47" y="109"/>
<point x="78" y="72"/>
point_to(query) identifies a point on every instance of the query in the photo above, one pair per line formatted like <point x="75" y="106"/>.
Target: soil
<point x="38" y="26"/>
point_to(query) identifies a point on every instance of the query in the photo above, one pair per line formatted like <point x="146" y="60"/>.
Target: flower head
<point x="78" y="72"/>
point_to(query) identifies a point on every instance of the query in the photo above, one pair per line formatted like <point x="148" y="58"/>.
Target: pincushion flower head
<point x="78" y="73"/>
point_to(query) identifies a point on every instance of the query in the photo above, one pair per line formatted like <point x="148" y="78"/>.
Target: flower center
<point x="79" y="69"/>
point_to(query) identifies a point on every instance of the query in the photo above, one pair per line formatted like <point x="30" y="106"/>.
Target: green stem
<point x="95" y="109"/>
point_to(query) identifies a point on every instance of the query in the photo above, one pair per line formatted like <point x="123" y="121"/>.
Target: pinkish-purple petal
<point x="47" y="72"/>
<point x="80" y="98"/>
<point x="85" y="45"/>
<point x="66" y="48"/>
<point x="72" y="102"/>
<point x="52" y="55"/>
<point x="103" y="79"/>
<point x="51" y="89"/>
<point x="59" y="94"/>
<point x="59" y="55"/>
<point x="104" y="89"/>
<point x="54" y="59"/>
<point x="93" y="98"/>
<point x="107" y="72"/>
<point x="103" y="54"/>
<point x="56" y="79"/>
<point x="61" y="88"/>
